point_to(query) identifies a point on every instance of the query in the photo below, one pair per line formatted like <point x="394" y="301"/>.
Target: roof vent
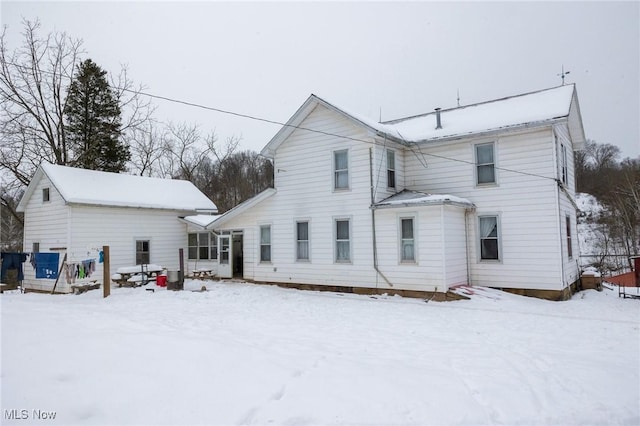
<point x="438" y="122"/>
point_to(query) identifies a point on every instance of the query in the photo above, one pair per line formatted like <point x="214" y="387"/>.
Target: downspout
<point x="373" y="223"/>
<point x="557" y="188"/>
<point x="466" y="244"/>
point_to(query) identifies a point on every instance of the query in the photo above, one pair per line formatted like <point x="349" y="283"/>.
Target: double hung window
<point x="343" y="241"/>
<point x="265" y="243"/>
<point x="489" y="238"/>
<point x="341" y="169"/>
<point x="302" y="240"/>
<point x="485" y="164"/>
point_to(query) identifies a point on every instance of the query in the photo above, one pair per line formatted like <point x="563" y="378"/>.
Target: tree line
<point x="59" y="107"/>
<point x="616" y="185"/>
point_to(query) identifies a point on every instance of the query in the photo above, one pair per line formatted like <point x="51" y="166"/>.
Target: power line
<point x="408" y="144"/>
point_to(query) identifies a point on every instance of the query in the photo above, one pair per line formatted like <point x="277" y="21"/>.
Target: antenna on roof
<point x="458" y="98"/>
<point x="563" y="74"/>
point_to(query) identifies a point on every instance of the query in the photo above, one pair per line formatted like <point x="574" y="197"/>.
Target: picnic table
<point x="134" y="276"/>
<point x="203" y="273"/>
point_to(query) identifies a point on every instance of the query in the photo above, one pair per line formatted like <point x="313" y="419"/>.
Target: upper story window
<point x="489" y="238"/>
<point x="302" y="240"/>
<point x="485" y="163"/>
<point x="265" y="243"/>
<point x="45" y="195"/>
<point x="202" y="246"/>
<point x="341" y="169"/>
<point x="563" y="163"/>
<point x="391" y="169"/>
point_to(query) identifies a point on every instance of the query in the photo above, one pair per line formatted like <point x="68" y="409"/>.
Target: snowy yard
<point x="244" y="354"/>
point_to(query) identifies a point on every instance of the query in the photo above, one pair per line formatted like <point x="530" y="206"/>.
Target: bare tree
<point x="147" y="147"/>
<point x="33" y="86"/>
<point x="34" y="82"/>
<point x="184" y="151"/>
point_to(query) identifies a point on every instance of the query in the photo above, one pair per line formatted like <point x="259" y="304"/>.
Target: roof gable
<point x="90" y="187"/>
<point x="307" y="108"/>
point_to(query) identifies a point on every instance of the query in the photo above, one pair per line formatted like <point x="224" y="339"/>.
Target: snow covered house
<point x="75" y="212"/>
<point x="480" y="194"/>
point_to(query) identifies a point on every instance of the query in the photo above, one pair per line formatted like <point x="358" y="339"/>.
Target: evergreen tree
<point x="92" y="122"/>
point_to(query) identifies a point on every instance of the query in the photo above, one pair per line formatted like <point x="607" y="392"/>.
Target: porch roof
<point x="407" y="198"/>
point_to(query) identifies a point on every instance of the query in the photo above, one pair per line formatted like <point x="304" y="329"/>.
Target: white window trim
<point x="335" y="239"/>
<point x="48" y="191"/>
<point x="333" y="170"/>
<point x="259" y="257"/>
<point x="495" y="164"/>
<point x="414" y="217"/>
<point x="478" y="238"/>
<point x="295" y="239"/>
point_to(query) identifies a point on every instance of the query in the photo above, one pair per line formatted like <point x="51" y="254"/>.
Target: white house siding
<point x="304" y="181"/>
<point x="46" y="224"/>
<point x="455" y="249"/>
<point x="570" y="264"/>
<point x="119" y="228"/>
<point x="526" y="205"/>
<point x="381" y="190"/>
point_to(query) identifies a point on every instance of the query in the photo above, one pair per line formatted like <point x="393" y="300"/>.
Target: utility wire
<point x="407" y="143"/>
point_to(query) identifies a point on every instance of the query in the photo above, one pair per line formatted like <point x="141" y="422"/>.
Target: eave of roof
<point x="408" y="198"/>
<point x="240" y="208"/>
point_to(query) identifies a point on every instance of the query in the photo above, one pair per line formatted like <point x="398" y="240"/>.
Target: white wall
<point x="45" y="223"/>
<point x="570" y="264"/>
<point x="304" y="180"/>
<point x="91" y="227"/>
<point x="525" y="204"/>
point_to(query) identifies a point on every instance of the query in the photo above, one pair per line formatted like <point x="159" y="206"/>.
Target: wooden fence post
<point x="106" y="275"/>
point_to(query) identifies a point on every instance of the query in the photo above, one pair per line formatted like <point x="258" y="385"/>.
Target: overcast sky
<point x="265" y="59"/>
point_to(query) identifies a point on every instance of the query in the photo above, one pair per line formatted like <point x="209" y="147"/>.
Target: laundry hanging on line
<point x="12" y="261"/>
<point x="46" y="265"/>
<point x="79" y="270"/>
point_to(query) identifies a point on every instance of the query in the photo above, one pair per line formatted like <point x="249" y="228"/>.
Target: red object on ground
<point x="161" y="280"/>
<point x="623" y="280"/>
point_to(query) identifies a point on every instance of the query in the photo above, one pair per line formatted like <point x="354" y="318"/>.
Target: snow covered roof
<point x="514" y="111"/>
<point x="525" y="110"/>
<point x="201" y="220"/>
<point x="80" y="186"/>
<point x="414" y="198"/>
<point x="244" y="206"/>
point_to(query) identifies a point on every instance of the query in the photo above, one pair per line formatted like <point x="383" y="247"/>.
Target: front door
<point x="225" y="260"/>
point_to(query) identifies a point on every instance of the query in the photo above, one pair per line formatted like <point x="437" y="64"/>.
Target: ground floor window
<point x="569" y="246"/>
<point x="202" y="246"/>
<point x="143" y="254"/>
<point x="343" y="240"/>
<point x="489" y="238"/>
<point x="265" y="243"/>
<point x="407" y="240"/>
<point x="302" y="241"/>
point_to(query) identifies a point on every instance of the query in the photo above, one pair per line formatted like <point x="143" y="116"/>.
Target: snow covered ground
<point x="242" y="354"/>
